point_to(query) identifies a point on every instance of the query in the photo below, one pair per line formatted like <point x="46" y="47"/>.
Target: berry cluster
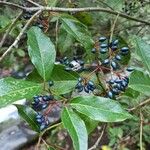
<point x="40" y="104"/>
<point x="87" y="86"/>
<point x="116" y="86"/>
<point x="42" y="121"/>
<point x="131" y="7"/>
<point x="113" y="53"/>
<point x="75" y="64"/>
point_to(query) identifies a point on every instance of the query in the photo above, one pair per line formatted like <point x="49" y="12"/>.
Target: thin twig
<point x="113" y="28"/>
<point x="140" y="105"/>
<point x="20" y="35"/>
<point x="87" y="9"/>
<point x="141" y="130"/>
<point x="40" y="137"/>
<point x="34" y="3"/>
<point x="99" y="139"/>
<point x="13" y="5"/>
<point x="10" y="29"/>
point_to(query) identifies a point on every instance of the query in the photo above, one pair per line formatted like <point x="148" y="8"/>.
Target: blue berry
<point x="102" y="39"/>
<point x="114" y="48"/>
<point x="80" y="89"/>
<point x="68" y="69"/>
<point x="39" y="116"/>
<point x="80" y="79"/>
<point x="106" y="61"/>
<point x="50" y="83"/>
<point x="124" y="83"/>
<point x="39" y="120"/>
<point x="110" y="94"/>
<point x="90" y="83"/>
<point x="115" y="91"/>
<point x="86" y="89"/>
<point x="43" y="126"/>
<point x="118" y="81"/>
<point x="103" y="50"/>
<point x="103" y="45"/>
<point x="118" y="57"/>
<point x="81" y="62"/>
<point x="124" y="49"/>
<point x="115" y="42"/>
<point x="130" y="69"/>
<point x="44" y="106"/>
<point x="114" y="65"/>
<point x="93" y="50"/>
<point x="111" y="81"/>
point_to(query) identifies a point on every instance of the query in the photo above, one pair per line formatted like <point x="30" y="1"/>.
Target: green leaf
<point x="29" y="115"/>
<point x="90" y="123"/>
<point x="76" y="128"/>
<point x="13" y="89"/>
<point x="100" y="109"/>
<point x="140" y="82"/>
<point x="65" y="41"/>
<point x="60" y="74"/>
<point x="41" y="51"/>
<point x="79" y="33"/>
<point x="63" y="87"/>
<point x="52" y="3"/>
<point x="143" y="50"/>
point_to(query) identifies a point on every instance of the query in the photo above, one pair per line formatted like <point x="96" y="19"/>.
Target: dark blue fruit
<point x="43" y="126"/>
<point x="102" y="39"/>
<point x="80" y="79"/>
<point x="103" y="50"/>
<point x="44" y="106"/>
<point x="81" y="62"/>
<point x="124" y="49"/>
<point x="80" y="89"/>
<point x="130" y="69"/>
<point x="114" y="65"/>
<point x="79" y="85"/>
<point x="118" y="57"/>
<point x="50" y="83"/>
<point x="103" y="45"/>
<point x="115" y="42"/>
<point x="106" y="61"/>
<point x="110" y="94"/>
<point x="115" y="91"/>
<point x="90" y="83"/>
<point x="124" y="83"/>
<point x="93" y="50"/>
<point x="39" y="120"/>
<point x="114" y="48"/>
<point x="39" y="116"/>
<point x="111" y="81"/>
<point x="118" y="80"/>
<point x="86" y="89"/>
<point x="68" y="69"/>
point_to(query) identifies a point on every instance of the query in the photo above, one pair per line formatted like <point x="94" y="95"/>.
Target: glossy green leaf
<point x="63" y="87"/>
<point x="76" y="128"/>
<point x="52" y="3"/>
<point x="59" y="74"/>
<point x="13" y="89"/>
<point x="29" y="115"/>
<point x="90" y="123"/>
<point x="41" y="51"/>
<point x="100" y="109"/>
<point x="140" y="82"/>
<point x="143" y="50"/>
<point x="79" y="33"/>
